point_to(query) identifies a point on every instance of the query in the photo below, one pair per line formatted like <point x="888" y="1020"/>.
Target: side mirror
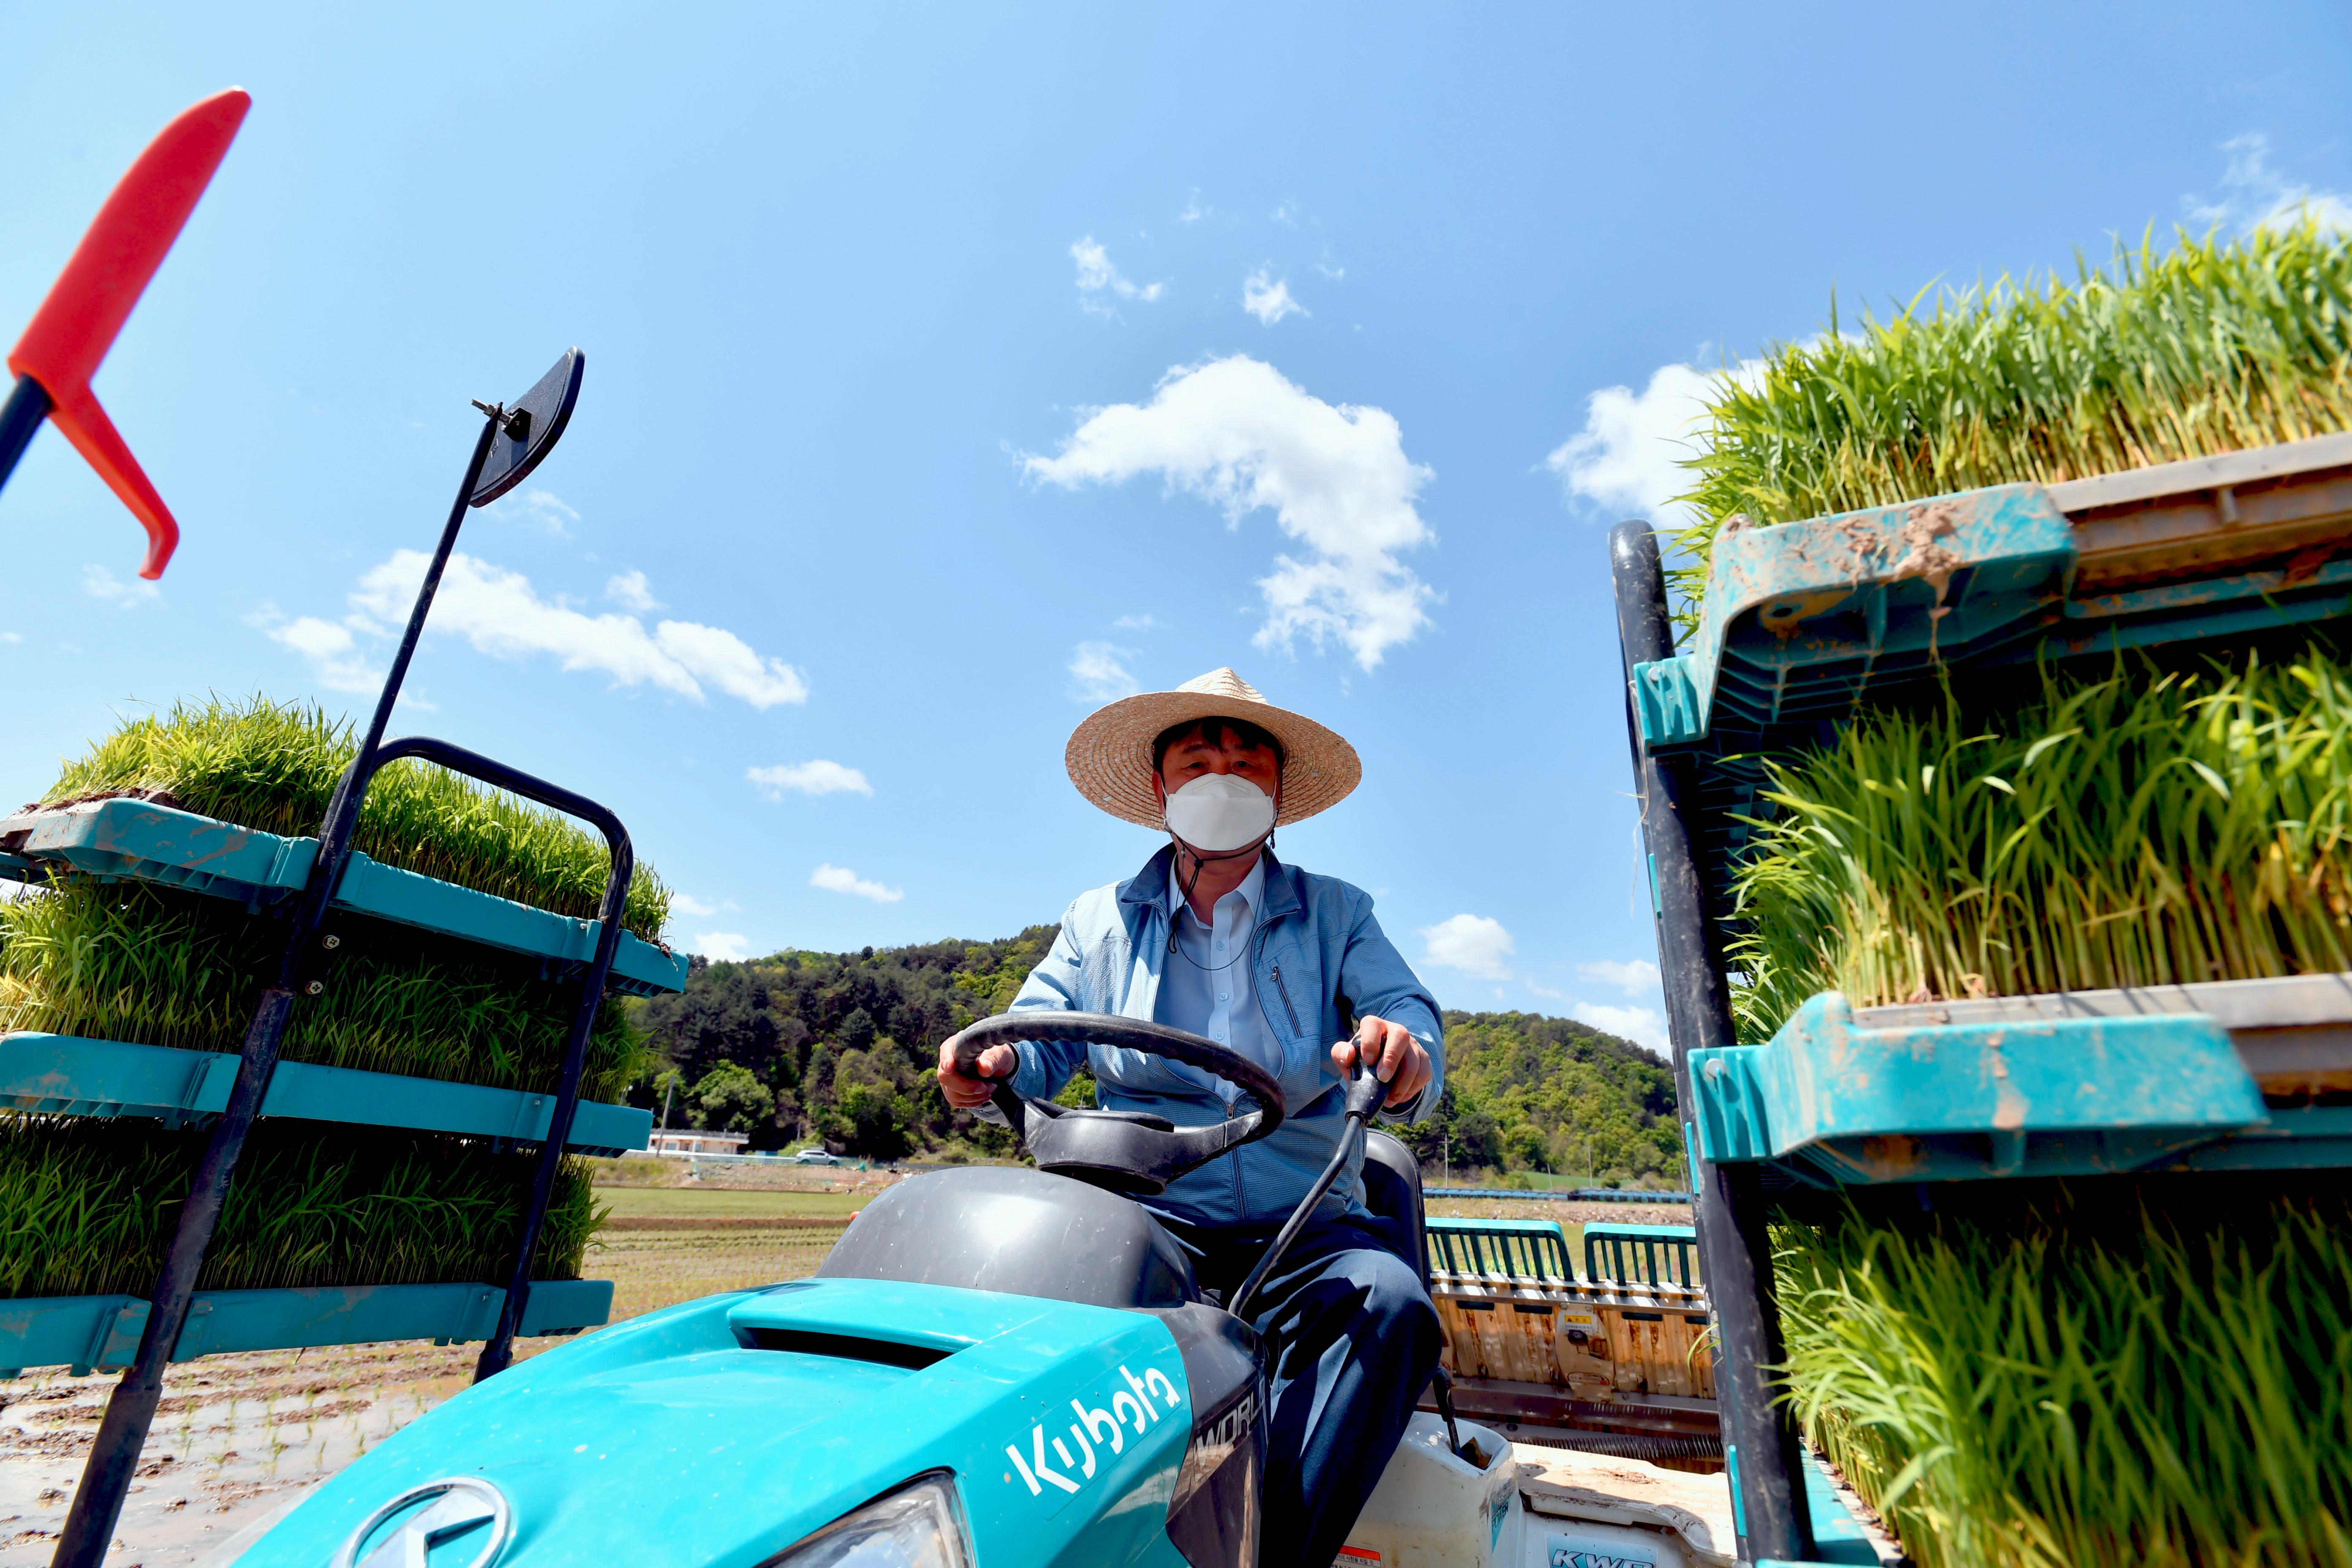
<point x="528" y="428"/>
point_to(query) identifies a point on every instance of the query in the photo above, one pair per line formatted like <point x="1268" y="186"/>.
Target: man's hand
<point x="996" y="1063"/>
<point x="1395" y="1057"/>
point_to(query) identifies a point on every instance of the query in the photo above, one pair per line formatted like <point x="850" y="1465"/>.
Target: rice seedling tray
<point x="60" y="1075"/>
<point x="93" y="1333"/>
<point x="2212" y="1076"/>
<point x="127" y="839"/>
<point x="1804" y="621"/>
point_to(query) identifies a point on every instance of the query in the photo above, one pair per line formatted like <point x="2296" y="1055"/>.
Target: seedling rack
<point x="1807" y="624"/>
<point x="330" y="895"/>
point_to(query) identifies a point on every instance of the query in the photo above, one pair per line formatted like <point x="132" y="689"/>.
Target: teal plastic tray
<point x="2198" y="1077"/>
<point x="60" y="1075"/>
<point x="1804" y="623"/>
<point x="85" y="1333"/>
<point x="137" y="840"/>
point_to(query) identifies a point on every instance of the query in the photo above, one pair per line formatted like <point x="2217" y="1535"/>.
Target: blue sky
<point x="952" y="369"/>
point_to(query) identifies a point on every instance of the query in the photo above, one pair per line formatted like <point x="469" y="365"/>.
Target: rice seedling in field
<point x="88" y="1206"/>
<point x="2206" y="348"/>
<point x="162" y="967"/>
<point x="657" y="1268"/>
<point x="2076" y="1383"/>
<point x="274" y="766"/>
<point x="2143" y="828"/>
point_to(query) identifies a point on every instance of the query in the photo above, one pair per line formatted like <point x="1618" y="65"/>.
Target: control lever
<point x="1365" y="1091"/>
<point x="1469" y="1453"/>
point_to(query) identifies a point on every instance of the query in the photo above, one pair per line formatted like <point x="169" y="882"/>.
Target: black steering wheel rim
<point x="1128" y="1034"/>
<point x="1122" y="1152"/>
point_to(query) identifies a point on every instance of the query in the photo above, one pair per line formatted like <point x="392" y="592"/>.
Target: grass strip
<point x="158" y="967"/>
<point x="273" y="766"/>
<point x="682" y="1224"/>
<point x="2211" y="346"/>
<point x="2142" y="829"/>
<point x="88" y="1207"/>
<point x="2073" y="1383"/>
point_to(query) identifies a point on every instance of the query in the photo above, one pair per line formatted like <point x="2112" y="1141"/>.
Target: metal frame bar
<point x="1640" y="1254"/>
<point x="20" y="419"/>
<point x="1763" y="1449"/>
<point x="501" y="1350"/>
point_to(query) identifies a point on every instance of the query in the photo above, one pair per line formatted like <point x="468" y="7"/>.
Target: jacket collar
<point x="1148" y="886"/>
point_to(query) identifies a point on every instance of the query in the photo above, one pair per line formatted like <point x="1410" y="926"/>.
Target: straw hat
<point x="1109" y="755"/>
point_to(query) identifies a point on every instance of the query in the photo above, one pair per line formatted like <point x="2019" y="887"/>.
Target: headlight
<point x="918" y="1526"/>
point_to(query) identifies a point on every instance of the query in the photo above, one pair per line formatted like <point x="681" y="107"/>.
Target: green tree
<point x="1523" y="1091"/>
<point x="730" y="1099"/>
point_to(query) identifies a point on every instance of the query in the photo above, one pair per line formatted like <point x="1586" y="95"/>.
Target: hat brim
<point x="1109" y="755"/>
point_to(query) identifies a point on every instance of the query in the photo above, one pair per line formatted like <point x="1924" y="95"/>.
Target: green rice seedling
<point x="2209" y="347"/>
<point x="2080" y="1383"/>
<point x="274" y="766"/>
<point x="2139" y="829"/>
<point x="159" y="966"/>
<point x="88" y="1207"/>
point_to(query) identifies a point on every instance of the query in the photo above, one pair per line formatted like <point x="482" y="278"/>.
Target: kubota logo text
<point x="1094" y="1430"/>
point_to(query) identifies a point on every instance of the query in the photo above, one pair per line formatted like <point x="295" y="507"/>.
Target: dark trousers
<point x="1351" y="1341"/>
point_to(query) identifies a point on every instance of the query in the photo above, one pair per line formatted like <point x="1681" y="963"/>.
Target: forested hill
<point x="839" y="1046"/>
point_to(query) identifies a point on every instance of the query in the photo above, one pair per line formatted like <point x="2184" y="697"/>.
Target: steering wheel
<point x="1125" y="1151"/>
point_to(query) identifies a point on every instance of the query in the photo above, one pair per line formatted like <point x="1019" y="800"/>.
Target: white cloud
<point x="1476" y="944"/>
<point x="501" y="614"/>
<point x="1136" y="623"/>
<point x="1333" y="273"/>
<point x="723" y="946"/>
<point x="1268" y="299"/>
<point x="537" y="509"/>
<point x="1097" y="277"/>
<point x="335" y="660"/>
<point x="1630" y="454"/>
<point x="632" y="591"/>
<point x="101" y="584"/>
<point x="687" y="904"/>
<point x="1286" y="213"/>
<point x="1194" y="208"/>
<point x="728" y="662"/>
<point x="1643" y="1026"/>
<point x="2260" y="197"/>
<point x="819" y="777"/>
<point x="1236" y="434"/>
<point x="842" y="879"/>
<point x="1096" y="676"/>
<point x="12" y="636"/>
<point x="1638" y="975"/>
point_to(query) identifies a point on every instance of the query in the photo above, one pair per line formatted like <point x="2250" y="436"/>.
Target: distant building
<point x="680" y="1144"/>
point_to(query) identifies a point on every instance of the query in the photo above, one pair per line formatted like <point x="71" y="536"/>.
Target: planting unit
<point x="1804" y="625"/>
<point x="1612" y="1354"/>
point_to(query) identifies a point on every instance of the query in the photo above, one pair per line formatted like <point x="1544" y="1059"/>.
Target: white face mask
<point x="1218" y="811"/>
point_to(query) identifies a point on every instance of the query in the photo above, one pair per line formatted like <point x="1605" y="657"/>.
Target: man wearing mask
<point x="1216" y="936"/>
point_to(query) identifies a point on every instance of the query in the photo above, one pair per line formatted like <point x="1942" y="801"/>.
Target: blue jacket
<point x="1320" y="961"/>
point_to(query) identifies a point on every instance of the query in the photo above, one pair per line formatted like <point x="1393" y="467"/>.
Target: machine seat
<point x="1392" y="1191"/>
<point x="1018" y="1233"/>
